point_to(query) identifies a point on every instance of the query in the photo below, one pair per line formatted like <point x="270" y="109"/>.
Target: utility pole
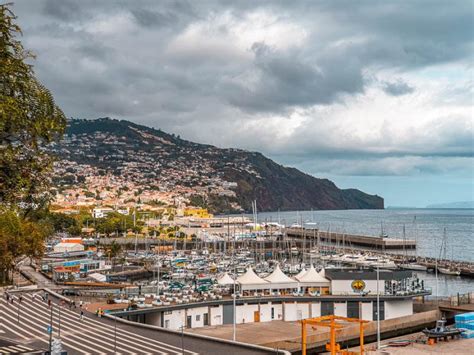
<point x="51" y="330"/>
<point x="18" y="308"/>
<point x="59" y="319"/>
<point x="182" y="339"/>
<point x="234" y="294"/>
<point x="378" y="309"/>
<point x="115" y="334"/>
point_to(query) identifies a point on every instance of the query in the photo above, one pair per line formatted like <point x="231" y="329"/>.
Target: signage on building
<point x="358" y="285"/>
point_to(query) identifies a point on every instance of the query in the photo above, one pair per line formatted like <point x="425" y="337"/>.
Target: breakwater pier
<point x="365" y="241"/>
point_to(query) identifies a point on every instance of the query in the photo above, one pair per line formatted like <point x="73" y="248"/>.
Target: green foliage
<point x="19" y="236"/>
<point x="117" y="223"/>
<point x="29" y="121"/>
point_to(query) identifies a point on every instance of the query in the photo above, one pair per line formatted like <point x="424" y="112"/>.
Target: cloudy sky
<point x="376" y="95"/>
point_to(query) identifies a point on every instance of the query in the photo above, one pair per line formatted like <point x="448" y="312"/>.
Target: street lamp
<point x="378" y="309"/>
<point x="51" y="330"/>
<point x="115" y="334"/>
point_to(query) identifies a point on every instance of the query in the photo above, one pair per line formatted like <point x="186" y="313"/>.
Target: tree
<point x="19" y="236"/>
<point x="29" y="121"/>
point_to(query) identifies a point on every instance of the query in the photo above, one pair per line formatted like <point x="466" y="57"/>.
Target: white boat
<point x="413" y="266"/>
<point x="384" y="264"/>
<point x="447" y="271"/>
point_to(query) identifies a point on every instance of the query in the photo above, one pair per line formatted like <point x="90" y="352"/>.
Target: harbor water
<point x="426" y="226"/>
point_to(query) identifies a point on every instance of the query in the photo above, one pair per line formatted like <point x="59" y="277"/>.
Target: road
<point x="93" y="335"/>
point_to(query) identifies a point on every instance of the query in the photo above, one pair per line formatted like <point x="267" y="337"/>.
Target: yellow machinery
<point x="330" y="321"/>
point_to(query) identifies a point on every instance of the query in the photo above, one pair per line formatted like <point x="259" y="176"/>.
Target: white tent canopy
<point x="251" y="281"/>
<point x="313" y="278"/>
<point x="279" y="280"/>
<point x="225" y="280"/>
<point x="300" y="274"/>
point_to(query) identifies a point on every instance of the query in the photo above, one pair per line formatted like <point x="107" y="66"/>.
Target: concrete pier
<point x="372" y="242"/>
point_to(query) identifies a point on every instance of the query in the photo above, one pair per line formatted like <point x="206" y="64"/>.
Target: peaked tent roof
<point x="251" y="281"/>
<point x="300" y="274"/>
<point x="279" y="280"/>
<point x="225" y="280"/>
<point x="314" y="278"/>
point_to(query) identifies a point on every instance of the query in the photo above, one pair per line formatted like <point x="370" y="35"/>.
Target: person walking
<point x="81" y="315"/>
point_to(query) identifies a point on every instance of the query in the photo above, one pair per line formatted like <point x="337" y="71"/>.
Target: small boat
<point x="448" y="271"/>
<point x="413" y="266"/>
<point x="442" y="331"/>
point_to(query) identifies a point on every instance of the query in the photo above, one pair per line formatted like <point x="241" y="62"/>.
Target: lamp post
<point x="234" y="294"/>
<point x="378" y="309"/>
<point x="18" y="308"/>
<point x="59" y="320"/>
<point x="51" y="330"/>
<point x="115" y="334"/>
<point x="182" y="339"/>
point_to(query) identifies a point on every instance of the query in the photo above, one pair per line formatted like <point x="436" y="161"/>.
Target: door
<point x="352" y="309"/>
<point x="206" y="319"/>
<point x="189" y="322"/>
<point x="228" y="312"/>
<point x="256" y="316"/>
<point x="327" y="308"/>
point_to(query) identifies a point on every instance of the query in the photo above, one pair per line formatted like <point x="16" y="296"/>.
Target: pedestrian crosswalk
<point x="18" y="349"/>
<point x="32" y="319"/>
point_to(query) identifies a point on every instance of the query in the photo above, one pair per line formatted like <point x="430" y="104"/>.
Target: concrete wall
<point x="302" y="311"/>
<point x="395" y="309"/>
<point x="278" y="311"/>
<point x="265" y="312"/>
<point x="245" y="313"/>
<point x="343" y="287"/>
<point x="367" y="310"/>
<point x="290" y="312"/>
<point x="315" y="309"/>
<point x="175" y="320"/>
<point x="340" y="309"/>
<point x="197" y="315"/>
<point x="216" y="317"/>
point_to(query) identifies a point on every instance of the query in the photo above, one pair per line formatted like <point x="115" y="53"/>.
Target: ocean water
<point x="426" y="226"/>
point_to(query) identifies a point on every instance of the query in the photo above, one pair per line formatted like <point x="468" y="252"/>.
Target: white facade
<point x="68" y="247"/>
<point x="246" y="313"/>
<point x="340" y="309"/>
<point x="344" y="287"/>
<point x="367" y="310"/>
<point x="286" y="311"/>
<point x="216" y="316"/>
<point x="398" y="308"/>
<point x="101" y="212"/>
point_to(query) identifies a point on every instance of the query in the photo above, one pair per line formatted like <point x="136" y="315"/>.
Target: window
<point x="198" y="317"/>
<point x="167" y="312"/>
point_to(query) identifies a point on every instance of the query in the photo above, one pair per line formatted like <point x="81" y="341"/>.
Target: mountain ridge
<point x="223" y="179"/>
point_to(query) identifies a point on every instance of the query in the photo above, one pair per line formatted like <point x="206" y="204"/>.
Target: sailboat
<point x="446" y="270"/>
<point x="407" y="265"/>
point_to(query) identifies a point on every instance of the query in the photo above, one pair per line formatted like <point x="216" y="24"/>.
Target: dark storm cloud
<point x="286" y="80"/>
<point x="62" y="10"/>
<point x="397" y="88"/>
